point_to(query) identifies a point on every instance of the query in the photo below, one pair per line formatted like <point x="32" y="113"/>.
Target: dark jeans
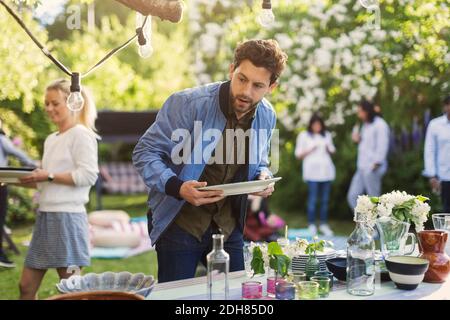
<point x="318" y="190"/>
<point x="3" y="211"/>
<point x="445" y="196"/>
<point x="179" y="252"/>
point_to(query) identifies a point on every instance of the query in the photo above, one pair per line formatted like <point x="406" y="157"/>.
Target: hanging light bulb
<point x="266" y="17"/>
<point x="144" y="35"/>
<point x="368" y="3"/>
<point x="75" y="101"/>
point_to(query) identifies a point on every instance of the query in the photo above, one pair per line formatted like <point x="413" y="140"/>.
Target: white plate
<point x="231" y="189"/>
<point x="12" y="175"/>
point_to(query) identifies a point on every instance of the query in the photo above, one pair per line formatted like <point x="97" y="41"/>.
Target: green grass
<point x="146" y="263"/>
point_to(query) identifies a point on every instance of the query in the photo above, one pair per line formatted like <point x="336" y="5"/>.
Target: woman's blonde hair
<point x="88" y="114"/>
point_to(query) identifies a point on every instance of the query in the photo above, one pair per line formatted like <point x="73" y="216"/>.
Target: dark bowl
<point x="338" y="266"/>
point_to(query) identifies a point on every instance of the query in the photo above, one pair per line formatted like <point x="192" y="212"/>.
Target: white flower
<point x="365" y="209"/>
<point x="323" y="59"/>
<point x="306" y="41"/>
<point x="284" y="41"/>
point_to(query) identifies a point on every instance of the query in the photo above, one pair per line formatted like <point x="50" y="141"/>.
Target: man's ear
<point x="231" y="71"/>
<point x="273" y="86"/>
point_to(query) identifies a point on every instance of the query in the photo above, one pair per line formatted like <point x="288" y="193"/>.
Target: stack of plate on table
<point x="299" y="262"/>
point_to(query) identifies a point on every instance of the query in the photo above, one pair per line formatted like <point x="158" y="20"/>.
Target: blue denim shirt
<point x="437" y="149"/>
<point x="152" y="155"/>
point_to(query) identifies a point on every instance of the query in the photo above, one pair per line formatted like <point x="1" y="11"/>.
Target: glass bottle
<point x="312" y="266"/>
<point x="361" y="259"/>
<point x="218" y="264"/>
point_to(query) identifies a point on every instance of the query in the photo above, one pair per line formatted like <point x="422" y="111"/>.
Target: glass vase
<point x="361" y="259"/>
<point x="312" y="266"/>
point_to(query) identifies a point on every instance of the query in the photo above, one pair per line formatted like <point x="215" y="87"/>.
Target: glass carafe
<point x="218" y="264"/>
<point x="361" y="259"/>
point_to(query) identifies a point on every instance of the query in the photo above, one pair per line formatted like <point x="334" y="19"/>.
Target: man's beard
<point x="233" y="100"/>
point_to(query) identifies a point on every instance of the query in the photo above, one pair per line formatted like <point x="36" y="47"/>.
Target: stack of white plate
<point x="299" y="262"/>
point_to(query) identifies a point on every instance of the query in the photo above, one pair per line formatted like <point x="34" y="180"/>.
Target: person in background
<point x="69" y="169"/>
<point x="315" y="146"/>
<point x="437" y="155"/>
<point x="373" y="147"/>
<point x="7" y="148"/>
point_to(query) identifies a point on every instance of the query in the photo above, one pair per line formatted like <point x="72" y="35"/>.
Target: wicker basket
<point x="171" y="10"/>
<point x="97" y="295"/>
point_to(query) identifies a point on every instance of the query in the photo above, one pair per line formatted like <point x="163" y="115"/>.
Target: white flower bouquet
<point x="399" y="205"/>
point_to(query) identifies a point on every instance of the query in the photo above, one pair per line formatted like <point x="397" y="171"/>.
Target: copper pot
<point x="432" y="245"/>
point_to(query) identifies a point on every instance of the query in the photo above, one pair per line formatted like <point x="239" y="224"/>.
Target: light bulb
<point x="146" y="50"/>
<point x="368" y="3"/>
<point x="266" y="18"/>
<point x="144" y="35"/>
<point x="75" y="101"/>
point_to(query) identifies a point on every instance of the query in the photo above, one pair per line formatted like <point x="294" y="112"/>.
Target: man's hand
<point x="268" y="191"/>
<point x="37" y="175"/>
<point x="376" y="166"/>
<point x="356" y="137"/>
<point x="435" y="184"/>
<point x="189" y="192"/>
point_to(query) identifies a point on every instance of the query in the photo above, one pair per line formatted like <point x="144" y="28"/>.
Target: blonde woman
<point x="69" y="169"/>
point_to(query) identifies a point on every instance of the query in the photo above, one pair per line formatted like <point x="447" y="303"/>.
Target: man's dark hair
<point x="369" y="108"/>
<point x="262" y="53"/>
<point x="317" y="118"/>
<point x="447" y="101"/>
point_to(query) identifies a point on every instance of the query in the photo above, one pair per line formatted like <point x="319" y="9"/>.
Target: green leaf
<point x="422" y="198"/>
<point x="374" y="200"/>
<point x="257" y="263"/>
<point x="274" y="248"/>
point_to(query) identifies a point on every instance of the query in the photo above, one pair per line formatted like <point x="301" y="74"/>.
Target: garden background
<point x="336" y="58"/>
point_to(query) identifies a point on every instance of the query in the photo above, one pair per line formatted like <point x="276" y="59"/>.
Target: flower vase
<point x="394" y="236"/>
<point x="432" y="245"/>
<point x="312" y="265"/>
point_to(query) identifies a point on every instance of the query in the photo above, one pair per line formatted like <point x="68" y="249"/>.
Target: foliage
<point x="314" y="246"/>
<point x="335" y="59"/>
<point x="273" y="256"/>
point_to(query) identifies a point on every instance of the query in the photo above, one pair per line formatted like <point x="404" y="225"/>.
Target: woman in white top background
<point x="69" y="169"/>
<point x="314" y="146"/>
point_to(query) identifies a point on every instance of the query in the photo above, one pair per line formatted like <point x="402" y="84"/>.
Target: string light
<point x="75" y="101"/>
<point x="144" y="32"/>
<point x="266" y="18"/>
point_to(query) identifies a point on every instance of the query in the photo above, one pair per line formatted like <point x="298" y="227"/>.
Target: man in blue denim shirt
<point x="437" y="155"/>
<point x="180" y="149"/>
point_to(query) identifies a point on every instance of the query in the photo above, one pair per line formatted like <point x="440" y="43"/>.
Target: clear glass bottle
<point x="218" y="264"/>
<point x="361" y="259"/>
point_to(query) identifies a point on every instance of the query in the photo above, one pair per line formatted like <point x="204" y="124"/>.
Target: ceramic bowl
<point x="338" y="266"/>
<point x="407" y="272"/>
<point x="108" y="281"/>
